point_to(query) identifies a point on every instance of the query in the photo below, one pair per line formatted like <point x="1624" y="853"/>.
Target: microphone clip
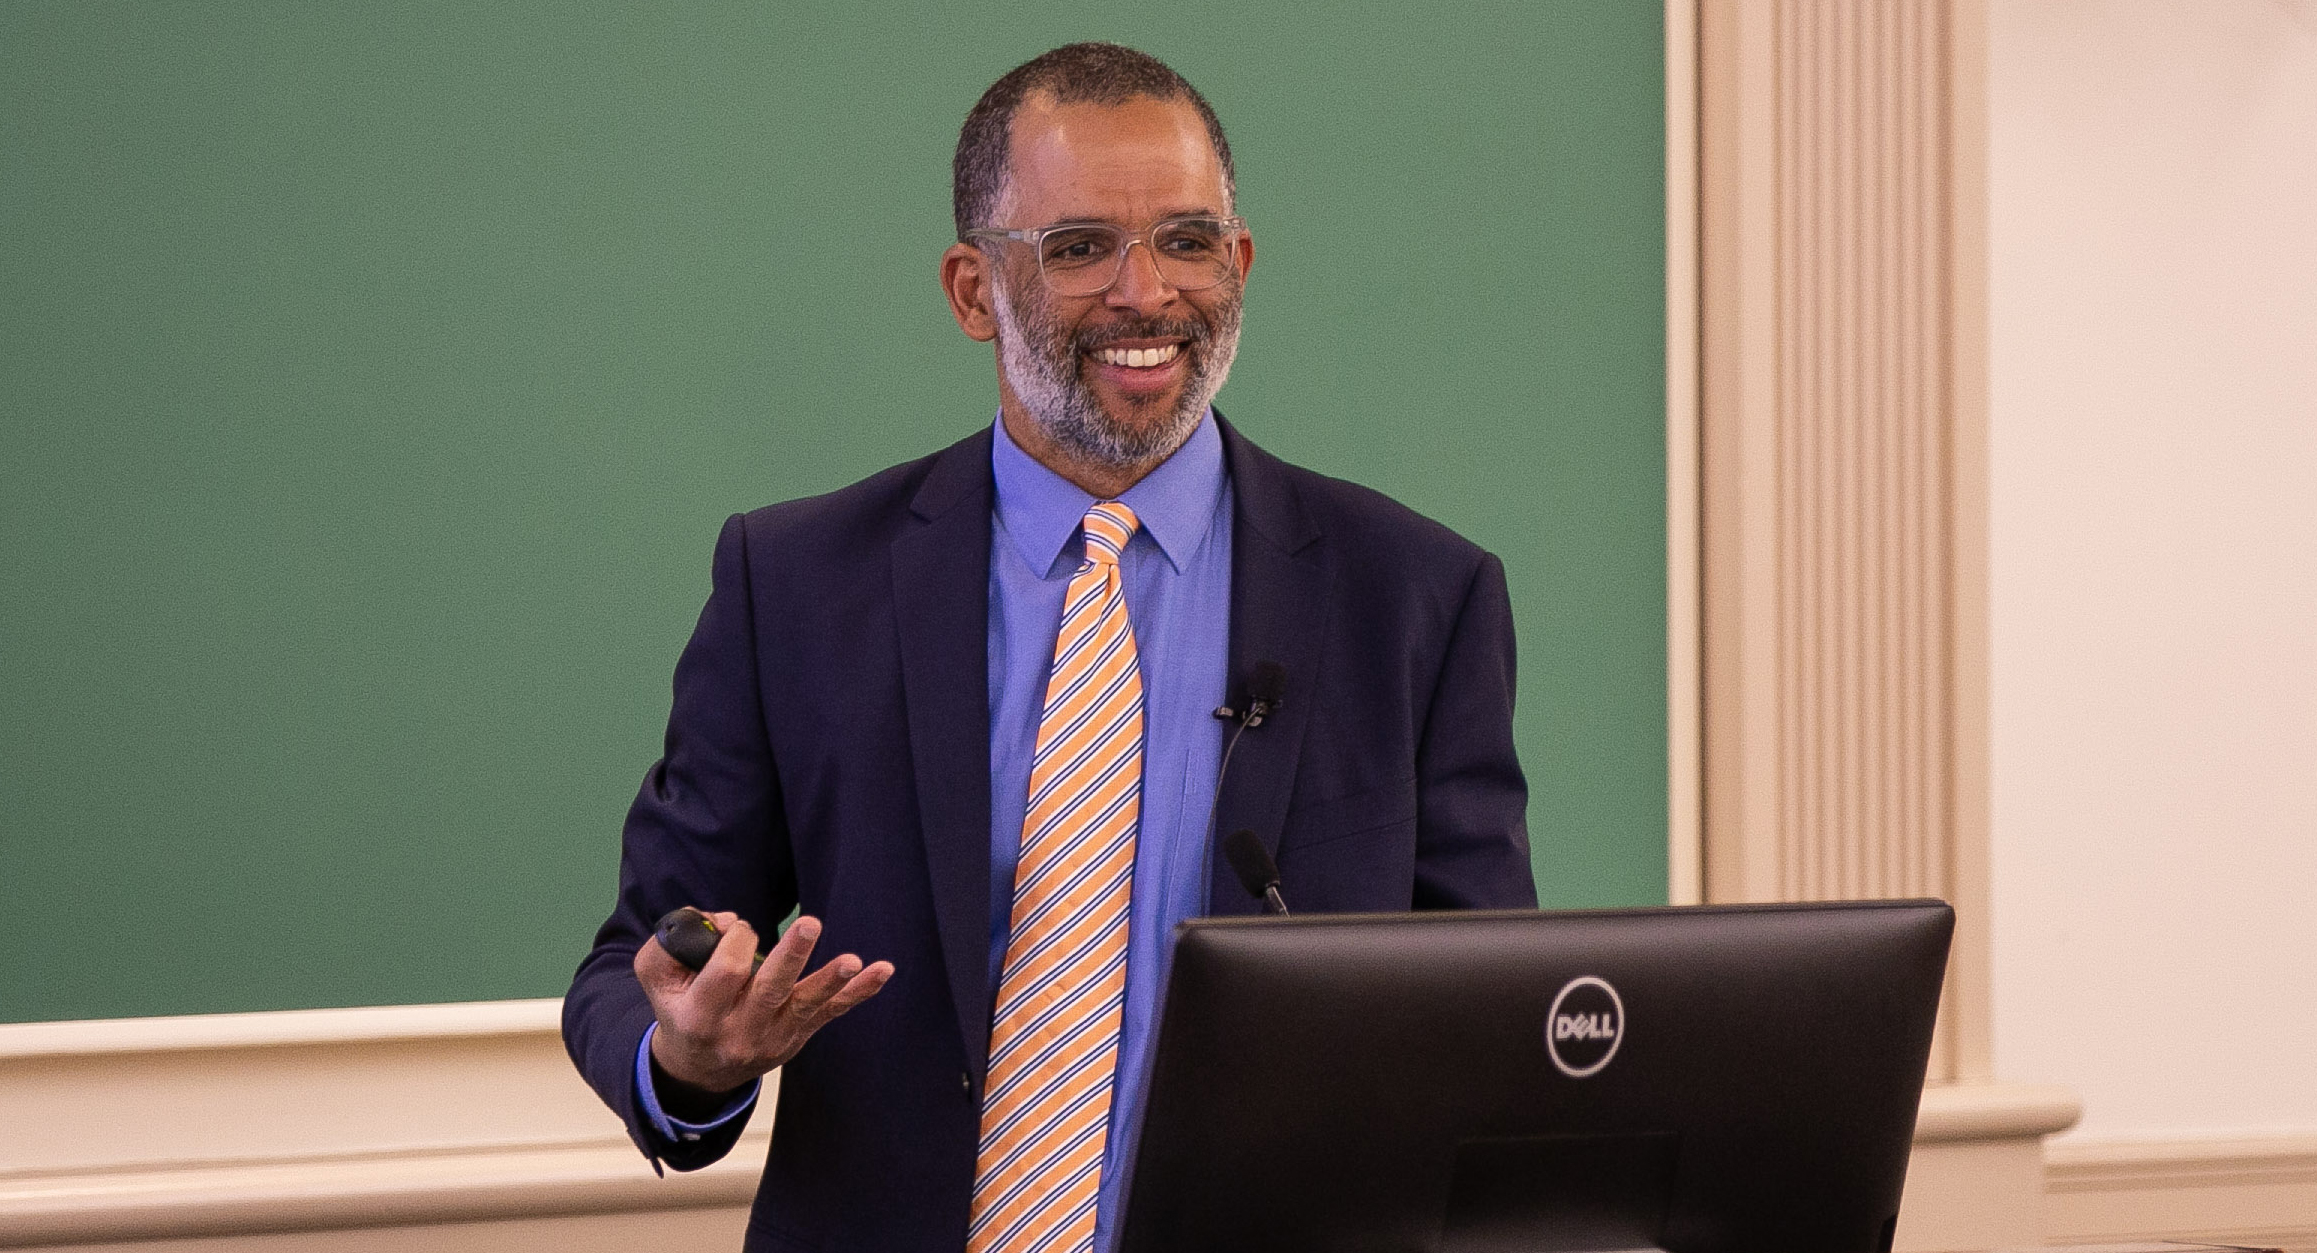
<point x="1252" y="716"/>
<point x="1265" y="689"/>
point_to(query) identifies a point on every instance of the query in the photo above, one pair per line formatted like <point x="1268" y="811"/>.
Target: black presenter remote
<point x="690" y="936"/>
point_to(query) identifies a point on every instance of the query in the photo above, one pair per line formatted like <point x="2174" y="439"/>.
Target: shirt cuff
<point x="674" y="1130"/>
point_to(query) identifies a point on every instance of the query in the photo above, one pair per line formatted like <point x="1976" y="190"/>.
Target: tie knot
<point x="1108" y="526"/>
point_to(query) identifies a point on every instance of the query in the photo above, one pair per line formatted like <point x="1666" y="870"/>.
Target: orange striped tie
<point x="1054" y="1040"/>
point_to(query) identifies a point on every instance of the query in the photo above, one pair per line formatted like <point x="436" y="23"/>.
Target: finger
<point x="814" y="991"/>
<point x="659" y="972"/>
<point x="725" y="978"/>
<point x="869" y="982"/>
<point x="777" y="980"/>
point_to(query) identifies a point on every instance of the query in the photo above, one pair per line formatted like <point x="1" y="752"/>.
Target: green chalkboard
<point x="374" y="378"/>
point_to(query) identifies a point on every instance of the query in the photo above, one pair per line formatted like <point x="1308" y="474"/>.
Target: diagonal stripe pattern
<point x="1054" y="1040"/>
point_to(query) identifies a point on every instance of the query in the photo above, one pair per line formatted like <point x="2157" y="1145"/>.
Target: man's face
<point x="1065" y="359"/>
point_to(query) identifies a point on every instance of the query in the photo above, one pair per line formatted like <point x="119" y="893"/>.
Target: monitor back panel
<point x="1697" y="1080"/>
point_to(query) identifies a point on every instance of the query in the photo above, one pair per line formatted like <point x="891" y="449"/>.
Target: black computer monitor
<point x="1717" y="1079"/>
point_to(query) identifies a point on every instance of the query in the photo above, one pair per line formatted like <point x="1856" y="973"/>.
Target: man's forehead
<point x="1144" y="157"/>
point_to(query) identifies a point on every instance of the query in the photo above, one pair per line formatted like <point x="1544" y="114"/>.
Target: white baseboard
<point x="2237" y="1190"/>
<point x="360" y="1190"/>
<point x="247" y="1123"/>
<point x="712" y="1230"/>
<point x="1976" y="1178"/>
<point x="215" y="1131"/>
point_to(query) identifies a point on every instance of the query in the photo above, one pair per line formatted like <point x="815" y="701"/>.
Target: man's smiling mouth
<point x="1138" y="358"/>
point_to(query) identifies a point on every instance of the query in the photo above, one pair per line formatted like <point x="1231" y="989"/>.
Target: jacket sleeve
<point x="706" y="830"/>
<point x="1472" y="842"/>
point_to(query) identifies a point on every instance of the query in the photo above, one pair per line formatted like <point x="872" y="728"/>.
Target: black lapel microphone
<point x="1257" y="872"/>
<point x="1260" y="697"/>
<point x="1263" y="694"/>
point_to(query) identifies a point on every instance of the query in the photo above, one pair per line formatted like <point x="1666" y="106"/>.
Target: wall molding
<point x="1975" y="1179"/>
<point x="321" y="1192"/>
<point x="229" y="1126"/>
<point x="234" y="1124"/>
<point x="2235" y="1189"/>
<point x="368" y="1024"/>
<point x="1967" y="1112"/>
<point x="1684" y="569"/>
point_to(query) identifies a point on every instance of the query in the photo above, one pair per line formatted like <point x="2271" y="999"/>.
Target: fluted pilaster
<point x="1843" y="480"/>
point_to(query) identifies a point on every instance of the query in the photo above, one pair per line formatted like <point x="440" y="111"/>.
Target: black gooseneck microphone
<point x="1257" y="872"/>
<point x="1260" y="697"/>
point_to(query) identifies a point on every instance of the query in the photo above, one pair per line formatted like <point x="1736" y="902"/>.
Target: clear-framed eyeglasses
<point x="1085" y="258"/>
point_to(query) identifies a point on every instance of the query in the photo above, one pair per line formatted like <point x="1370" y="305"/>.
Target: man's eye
<point x="1190" y="239"/>
<point x="1076" y="247"/>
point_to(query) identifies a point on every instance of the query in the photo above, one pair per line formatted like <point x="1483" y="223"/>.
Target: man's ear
<point x="965" y="279"/>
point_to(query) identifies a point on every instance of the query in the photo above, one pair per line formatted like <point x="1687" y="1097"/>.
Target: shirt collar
<point x="1176" y="502"/>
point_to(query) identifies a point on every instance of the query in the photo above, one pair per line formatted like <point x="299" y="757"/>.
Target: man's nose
<point x="1139" y="285"/>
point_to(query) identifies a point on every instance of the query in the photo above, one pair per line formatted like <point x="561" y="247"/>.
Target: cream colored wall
<point x="2154" y="562"/>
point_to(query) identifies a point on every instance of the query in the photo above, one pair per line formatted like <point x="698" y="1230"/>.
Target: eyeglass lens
<point x="1191" y="253"/>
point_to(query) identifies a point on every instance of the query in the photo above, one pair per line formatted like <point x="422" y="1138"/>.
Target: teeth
<point x="1140" y="358"/>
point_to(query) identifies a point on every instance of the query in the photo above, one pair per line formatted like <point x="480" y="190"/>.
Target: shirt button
<point x="965" y="1080"/>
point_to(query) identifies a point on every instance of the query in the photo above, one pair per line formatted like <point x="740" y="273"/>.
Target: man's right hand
<point x="724" y="1026"/>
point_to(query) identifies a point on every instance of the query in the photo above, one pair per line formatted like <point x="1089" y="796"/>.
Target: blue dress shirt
<point x="1177" y="570"/>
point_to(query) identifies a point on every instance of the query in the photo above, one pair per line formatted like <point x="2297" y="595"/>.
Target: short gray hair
<point x="1080" y="73"/>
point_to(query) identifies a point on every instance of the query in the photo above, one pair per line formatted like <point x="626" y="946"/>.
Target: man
<point x="962" y="714"/>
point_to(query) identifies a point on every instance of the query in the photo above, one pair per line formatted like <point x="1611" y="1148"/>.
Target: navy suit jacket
<point x="829" y="748"/>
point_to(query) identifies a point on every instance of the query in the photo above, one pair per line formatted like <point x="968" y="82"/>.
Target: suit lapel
<point x="941" y="601"/>
<point x="1281" y="576"/>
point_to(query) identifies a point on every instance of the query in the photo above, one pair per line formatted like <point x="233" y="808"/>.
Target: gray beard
<point x="1046" y="371"/>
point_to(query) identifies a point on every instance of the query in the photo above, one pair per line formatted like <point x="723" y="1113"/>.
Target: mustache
<point x="1190" y="330"/>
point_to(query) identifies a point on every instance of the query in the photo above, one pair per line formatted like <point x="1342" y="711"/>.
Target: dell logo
<point x="1584" y="1026"/>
